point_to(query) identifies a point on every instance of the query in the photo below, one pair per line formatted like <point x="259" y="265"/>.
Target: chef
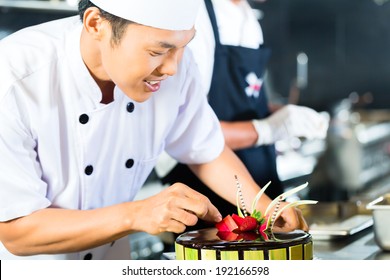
<point x="86" y="108"/>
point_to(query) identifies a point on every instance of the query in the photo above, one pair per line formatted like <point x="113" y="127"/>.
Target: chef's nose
<point x="170" y="63"/>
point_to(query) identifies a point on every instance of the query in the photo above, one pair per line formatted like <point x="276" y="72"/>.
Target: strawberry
<point x="239" y="220"/>
<point x="227" y="224"/>
<point x="248" y="236"/>
<point x="248" y="224"/>
<point x="227" y="236"/>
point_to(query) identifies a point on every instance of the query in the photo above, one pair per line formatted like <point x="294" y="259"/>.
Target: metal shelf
<point x="51" y="5"/>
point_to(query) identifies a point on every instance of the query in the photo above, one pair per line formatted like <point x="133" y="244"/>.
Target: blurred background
<point x="346" y="42"/>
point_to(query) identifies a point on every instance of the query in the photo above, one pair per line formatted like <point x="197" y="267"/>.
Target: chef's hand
<point x="173" y="209"/>
<point x="290" y="219"/>
<point x="291" y="121"/>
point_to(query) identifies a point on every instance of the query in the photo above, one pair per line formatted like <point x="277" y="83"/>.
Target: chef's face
<point x="143" y="58"/>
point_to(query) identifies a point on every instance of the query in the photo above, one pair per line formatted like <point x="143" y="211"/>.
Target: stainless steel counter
<point x="361" y="246"/>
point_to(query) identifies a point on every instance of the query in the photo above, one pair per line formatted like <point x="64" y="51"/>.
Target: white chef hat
<point x="162" y="14"/>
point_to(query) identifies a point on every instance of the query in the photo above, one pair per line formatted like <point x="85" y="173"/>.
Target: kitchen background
<point x="331" y="55"/>
<point x="346" y="43"/>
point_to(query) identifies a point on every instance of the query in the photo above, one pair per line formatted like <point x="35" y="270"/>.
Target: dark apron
<point x="234" y="99"/>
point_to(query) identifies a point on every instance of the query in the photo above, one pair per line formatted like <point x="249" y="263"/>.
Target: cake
<point x="248" y="235"/>
<point x="208" y="244"/>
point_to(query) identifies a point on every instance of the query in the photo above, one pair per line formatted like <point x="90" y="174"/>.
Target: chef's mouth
<point x="153" y="86"/>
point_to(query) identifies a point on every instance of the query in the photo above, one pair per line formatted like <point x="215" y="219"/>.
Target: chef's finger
<point x="287" y="221"/>
<point x="302" y="222"/>
<point x="201" y="207"/>
<point x="282" y="226"/>
<point x="174" y="226"/>
<point x="197" y="203"/>
<point x="292" y="219"/>
<point x="187" y="218"/>
<point x="211" y="214"/>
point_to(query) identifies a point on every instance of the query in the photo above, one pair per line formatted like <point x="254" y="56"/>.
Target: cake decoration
<point x="255" y="221"/>
<point x="249" y="234"/>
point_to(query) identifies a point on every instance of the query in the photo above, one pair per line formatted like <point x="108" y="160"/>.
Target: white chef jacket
<point x="61" y="148"/>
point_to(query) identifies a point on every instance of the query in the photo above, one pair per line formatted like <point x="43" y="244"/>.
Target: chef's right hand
<point x="290" y="219"/>
<point x="291" y="121"/>
<point x="173" y="209"/>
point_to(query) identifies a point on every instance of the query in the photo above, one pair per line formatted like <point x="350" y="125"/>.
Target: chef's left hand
<point x="290" y="219"/>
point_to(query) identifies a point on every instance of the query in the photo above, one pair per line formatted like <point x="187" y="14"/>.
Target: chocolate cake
<point x="209" y="244"/>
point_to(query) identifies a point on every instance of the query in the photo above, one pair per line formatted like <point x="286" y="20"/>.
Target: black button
<point x="88" y="170"/>
<point x="129" y="163"/>
<point x="88" y="256"/>
<point x="84" y="118"/>
<point x="130" y="107"/>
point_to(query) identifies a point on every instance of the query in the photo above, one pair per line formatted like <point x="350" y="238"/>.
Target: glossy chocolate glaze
<point x="208" y="239"/>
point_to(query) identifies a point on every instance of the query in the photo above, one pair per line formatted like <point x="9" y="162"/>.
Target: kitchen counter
<point x="361" y="246"/>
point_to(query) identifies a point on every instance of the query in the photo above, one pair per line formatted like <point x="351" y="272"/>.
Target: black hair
<point x="118" y="24"/>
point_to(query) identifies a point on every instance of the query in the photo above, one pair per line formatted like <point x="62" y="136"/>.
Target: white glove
<point x="291" y="121"/>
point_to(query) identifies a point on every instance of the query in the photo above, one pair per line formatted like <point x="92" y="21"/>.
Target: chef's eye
<point x="156" y="53"/>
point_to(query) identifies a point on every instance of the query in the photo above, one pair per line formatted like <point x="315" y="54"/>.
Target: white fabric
<point x="162" y="14"/>
<point x="118" y="250"/>
<point x="44" y="148"/>
<point x="291" y="121"/>
<point x="72" y="2"/>
<point x="238" y="26"/>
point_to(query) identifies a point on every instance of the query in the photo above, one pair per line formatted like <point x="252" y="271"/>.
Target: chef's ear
<point x="94" y="23"/>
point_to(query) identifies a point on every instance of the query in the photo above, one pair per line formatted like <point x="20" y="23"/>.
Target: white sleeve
<point x="21" y="189"/>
